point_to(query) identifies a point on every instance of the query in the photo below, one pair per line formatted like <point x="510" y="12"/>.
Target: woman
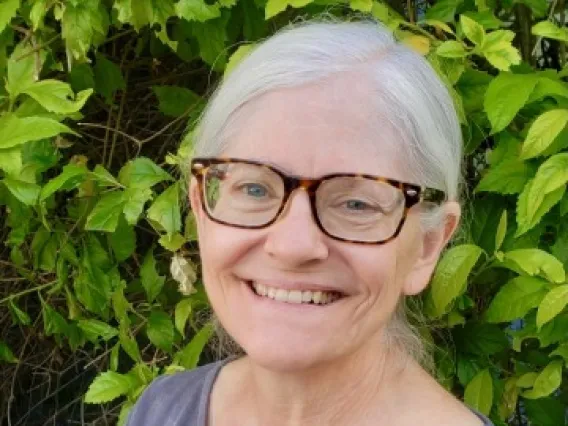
<point x="325" y="186"/>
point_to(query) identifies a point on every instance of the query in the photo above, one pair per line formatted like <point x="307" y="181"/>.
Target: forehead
<point x="319" y="129"/>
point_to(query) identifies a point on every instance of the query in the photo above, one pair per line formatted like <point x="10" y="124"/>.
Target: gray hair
<point x="408" y="94"/>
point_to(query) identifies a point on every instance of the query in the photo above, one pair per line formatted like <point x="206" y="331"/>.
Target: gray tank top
<point x="182" y="399"/>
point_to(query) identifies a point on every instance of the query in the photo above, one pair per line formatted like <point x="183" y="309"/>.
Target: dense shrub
<point x="97" y="255"/>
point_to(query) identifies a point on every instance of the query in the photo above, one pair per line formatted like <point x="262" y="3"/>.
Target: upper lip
<point x="294" y="285"/>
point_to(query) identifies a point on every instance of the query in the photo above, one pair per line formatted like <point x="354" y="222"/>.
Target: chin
<point x="286" y="355"/>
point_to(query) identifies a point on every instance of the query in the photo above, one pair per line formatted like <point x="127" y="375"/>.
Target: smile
<point x="295" y="296"/>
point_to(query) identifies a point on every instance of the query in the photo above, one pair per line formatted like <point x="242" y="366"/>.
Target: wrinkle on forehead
<point x="332" y="126"/>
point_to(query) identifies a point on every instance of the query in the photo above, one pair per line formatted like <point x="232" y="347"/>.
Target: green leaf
<point x="197" y="10"/>
<point x="108" y="386"/>
<point x="57" y="96"/>
<point x="71" y="176"/>
<point x="515" y="299"/>
<point x="507" y="177"/>
<point x="549" y="30"/>
<point x="236" y="58"/>
<point x="545" y="411"/>
<point x="551" y="175"/>
<point x="450" y="277"/>
<point x="123" y="240"/>
<point x="561" y="351"/>
<point x="124" y="413"/>
<point x="274" y="7"/>
<point x="211" y="38"/>
<point x="530" y="212"/>
<point x="83" y="24"/>
<point x="501" y="230"/>
<point x="108" y="78"/>
<point x="106" y="213"/>
<point x="547" y="381"/>
<point x="451" y="49"/>
<point x="182" y="312"/>
<point x="151" y="281"/>
<point x="499" y="50"/>
<point x="361" y="5"/>
<point x="172" y="242"/>
<point x="26" y="192"/>
<point x="443" y="10"/>
<point x="188" y="357"/>
<point x="174" y="100"/>
<point x="534" y="261"/>
<point x="472" y="30"/>
<point x="16" y="131"/>
<point x="18" y="316"/>
<point x="142" y="173"/>
<point x="505" y="96"/>
<point x="134" y="203"/>
<point x="165" y="210"/>
<point x="103" y="177"/>
<point x="160" y="330"/>
<point x="479" y="392"/>
<point x="8" y="9"/>
<point x="23" y="68"/>
<point x="94" y="329"/>
<point x="543" y="131"/>
<point x="552" y="304"/>
<point x="93" y="286"/>
<point x="53" y="322"/>
<point x="6" y="353"/>
<point x="128" y="343"/>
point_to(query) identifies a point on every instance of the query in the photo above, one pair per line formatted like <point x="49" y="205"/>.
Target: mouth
<point x="295" y="297"/>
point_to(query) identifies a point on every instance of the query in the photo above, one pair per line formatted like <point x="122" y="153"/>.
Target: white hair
<point x="403" y="88"/>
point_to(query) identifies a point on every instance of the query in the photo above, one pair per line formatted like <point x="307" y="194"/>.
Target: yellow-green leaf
<point x="543" y="131"/>
<point x="552" y="304"/>
<point x="274" y="7"/>
<point x="501" y="230"/>
<point x="515" y="299"/>
<point x="451" y="49"/>
<point x="16" y="131"/>
<point x="451" y="275"/>
<point x="106" y="213"/>
<point x="534" y="261"/>
<point x="472" y="30"/>
<point x="505" y="96"/>
<point x="236" y="58"/>
<point x="549" y="30"/>
<point x="108" y="386"/>
<point x="479" y="392"/>
<point x="547" y="381"/>
<point x="530" y="211"/>
<point x="8" y="9"/>
<point x="361" y="5"/>
<point x="165" y="210"/>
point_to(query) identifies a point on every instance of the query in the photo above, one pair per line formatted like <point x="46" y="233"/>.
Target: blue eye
<point x="254" y="190"/>
<point x="356" y="205"/>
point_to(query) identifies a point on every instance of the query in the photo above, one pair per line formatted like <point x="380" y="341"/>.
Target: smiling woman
<point x="325" y="187"/>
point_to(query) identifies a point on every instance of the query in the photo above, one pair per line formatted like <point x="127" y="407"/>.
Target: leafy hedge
<point x="98" y="257"/>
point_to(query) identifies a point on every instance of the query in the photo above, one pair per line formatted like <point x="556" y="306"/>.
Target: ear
<point x="432" y="243"/>
<point x="196" y="204"/>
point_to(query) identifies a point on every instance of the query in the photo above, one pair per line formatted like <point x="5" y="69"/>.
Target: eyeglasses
<point x="350" y="207"/>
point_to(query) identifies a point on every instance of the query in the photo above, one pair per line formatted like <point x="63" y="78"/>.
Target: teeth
<point x="295" y="296"/>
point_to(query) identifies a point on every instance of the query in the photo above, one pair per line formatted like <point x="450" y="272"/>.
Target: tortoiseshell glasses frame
<point x="413" y="194"/>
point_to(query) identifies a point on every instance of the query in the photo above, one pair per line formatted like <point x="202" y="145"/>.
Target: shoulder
<point x="426" y="402"/>
<point x="178" y="399"/>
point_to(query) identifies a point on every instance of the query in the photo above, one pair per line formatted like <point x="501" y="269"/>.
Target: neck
<point x="337" y="392"/>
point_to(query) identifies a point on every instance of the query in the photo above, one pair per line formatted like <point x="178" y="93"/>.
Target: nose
<point x="295" y="239"/>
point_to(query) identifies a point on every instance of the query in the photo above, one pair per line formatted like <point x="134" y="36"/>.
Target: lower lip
<point x="275" y="304"/>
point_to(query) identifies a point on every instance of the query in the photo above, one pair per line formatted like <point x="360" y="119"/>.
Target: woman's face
<point x="311" y="131"/>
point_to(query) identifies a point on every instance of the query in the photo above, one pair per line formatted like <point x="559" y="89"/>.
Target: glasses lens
<point x="242" y="194"/>
<point x="359" y="209"/>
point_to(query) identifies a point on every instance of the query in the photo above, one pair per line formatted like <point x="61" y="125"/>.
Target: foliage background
<point x="99" y="292"/>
